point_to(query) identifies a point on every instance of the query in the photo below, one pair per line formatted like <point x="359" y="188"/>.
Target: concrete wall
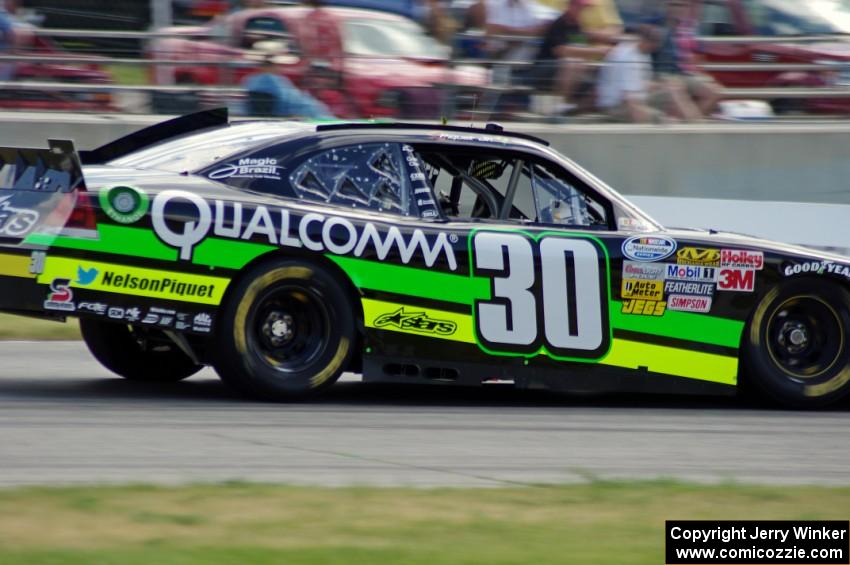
<point x="776" y="162"/>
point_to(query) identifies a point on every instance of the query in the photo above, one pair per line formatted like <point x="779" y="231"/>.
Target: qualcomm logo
<point x="312" y="231"/>
<point x="86" y="276"/>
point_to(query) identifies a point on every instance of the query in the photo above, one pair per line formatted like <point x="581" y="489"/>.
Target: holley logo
<point x="741" y="259"/>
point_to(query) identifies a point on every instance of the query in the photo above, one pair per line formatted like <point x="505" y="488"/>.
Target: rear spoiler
<point x="56" y="169"/>
<point x="154" y="134"/>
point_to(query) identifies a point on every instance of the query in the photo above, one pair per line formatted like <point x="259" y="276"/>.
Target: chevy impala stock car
<point x="285" y="253"/>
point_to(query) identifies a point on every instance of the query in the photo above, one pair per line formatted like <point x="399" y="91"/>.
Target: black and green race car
<point x="284" y="254"/>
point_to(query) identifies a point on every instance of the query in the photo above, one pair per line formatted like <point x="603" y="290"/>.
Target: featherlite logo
<point x="316" y="232"/>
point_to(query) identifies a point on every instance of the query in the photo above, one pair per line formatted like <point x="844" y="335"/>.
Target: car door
<point x="537" y="237"/>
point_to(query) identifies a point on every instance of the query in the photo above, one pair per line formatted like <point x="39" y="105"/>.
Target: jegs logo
<point x="415" y="321"/>
<point x="15" y="222"/>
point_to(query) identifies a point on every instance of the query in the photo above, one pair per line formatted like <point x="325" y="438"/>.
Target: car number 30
<point x="556" y="302"/>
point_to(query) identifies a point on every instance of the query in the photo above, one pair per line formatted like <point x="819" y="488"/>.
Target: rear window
<point x="199" y="150"/>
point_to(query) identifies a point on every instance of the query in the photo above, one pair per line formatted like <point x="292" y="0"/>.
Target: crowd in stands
<point x="584" y="57"/>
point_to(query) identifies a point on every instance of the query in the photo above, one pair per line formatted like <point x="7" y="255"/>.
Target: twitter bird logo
<point x="86" y="276"/>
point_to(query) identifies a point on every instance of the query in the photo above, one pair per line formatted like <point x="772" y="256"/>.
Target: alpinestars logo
<point x="416" y="322"/>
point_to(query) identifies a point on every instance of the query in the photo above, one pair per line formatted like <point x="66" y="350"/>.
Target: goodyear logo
<point x="649" y="290"/>
<point x="137" y="281"/>
<point x="644" y="307"/>
<point x="698" y="256"/>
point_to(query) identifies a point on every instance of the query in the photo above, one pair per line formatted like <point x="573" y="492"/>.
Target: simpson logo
<point x="265" y="168"/>
<point x="690" y="288"/>
<point x="649" y="290"/>
<point x="643" y="271"/>
<point x="682" y="303"/>
<point x="644" y="307"/>
<point x="315" y="232"/>
<point x="61" y="296"/>
<point x="137" y="281"/>
<point x="15" y="222"/>
<point x="743" y="280"/>
<point x="648" y="248"/>
<point x="740" y="259"/>
<point x="690" y="273"/>
<point x="698" y="256"/>
<point x="416" y="322"/>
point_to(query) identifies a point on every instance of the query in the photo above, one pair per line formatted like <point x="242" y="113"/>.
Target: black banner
<point x="769" y="542"/>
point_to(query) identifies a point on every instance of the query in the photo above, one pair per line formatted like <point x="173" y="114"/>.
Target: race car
<point x="285" y="253"/>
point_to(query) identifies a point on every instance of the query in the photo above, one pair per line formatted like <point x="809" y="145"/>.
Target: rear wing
<point x="42" y="191"/>
<point x="154" y="134"/>
<point x="56" y="169"/>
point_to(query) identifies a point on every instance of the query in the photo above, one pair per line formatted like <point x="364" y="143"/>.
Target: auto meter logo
<point x="124" y="204"/>
<point x="648" y="248"/>
<point x="276" y="226"/>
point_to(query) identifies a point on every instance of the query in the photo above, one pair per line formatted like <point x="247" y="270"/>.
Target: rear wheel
<point x="135" y="353"/>
<point x="286" y="332"/>
<point x="796" y="349"/>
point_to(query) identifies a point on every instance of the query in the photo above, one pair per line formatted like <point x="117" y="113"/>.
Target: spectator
<point x="270" y="94"/>
<point x="625" y="82"/>
<point x="675" y="61"/>
<point x="7" y="36"/>
<point x="561" y="64"/>
<point x="515" y="19"/>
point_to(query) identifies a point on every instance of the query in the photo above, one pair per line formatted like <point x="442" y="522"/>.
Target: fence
<point x="80" y="82"/>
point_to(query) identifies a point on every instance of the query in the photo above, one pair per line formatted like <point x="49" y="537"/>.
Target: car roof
<point x="344" y="13"/>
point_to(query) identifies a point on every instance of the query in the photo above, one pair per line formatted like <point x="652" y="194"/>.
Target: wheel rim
<point x="805" y="337"/>
<point x="289" y="327"/>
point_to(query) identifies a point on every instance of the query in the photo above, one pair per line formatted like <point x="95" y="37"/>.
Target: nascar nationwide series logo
<point x="415" y="321"/>
<point x="646" y="248"/>
<point x="313" y="231"/>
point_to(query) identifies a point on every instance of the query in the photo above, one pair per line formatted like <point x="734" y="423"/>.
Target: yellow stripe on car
<point x="673" y="361"/>
<point x="431" y="322"/>
<point x="136" y="281"/>
<point x="15" y="265"/>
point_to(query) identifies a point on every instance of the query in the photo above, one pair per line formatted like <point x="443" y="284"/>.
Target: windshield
<point x="396" y="39"/>
<point x="799" y="17"/>
<point x="198" y="150"/>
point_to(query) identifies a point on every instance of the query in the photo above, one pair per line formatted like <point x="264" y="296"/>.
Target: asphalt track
<point x="64" y="419"/>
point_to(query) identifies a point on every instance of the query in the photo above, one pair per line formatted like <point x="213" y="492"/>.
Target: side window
<point x="264" y="28"/>
<point x="368" y="176"/>
<point x="716" y="19"/>
<point x="560" y="202"/>
<point x="478" y="185"/>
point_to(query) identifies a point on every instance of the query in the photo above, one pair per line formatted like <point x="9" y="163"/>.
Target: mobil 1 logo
<point x="548" y="294"/>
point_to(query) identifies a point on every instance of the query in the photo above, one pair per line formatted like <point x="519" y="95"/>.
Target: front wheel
<point x="286" y="332"/>
<point x="796" y="349"/>
<point x="135" y="353"/>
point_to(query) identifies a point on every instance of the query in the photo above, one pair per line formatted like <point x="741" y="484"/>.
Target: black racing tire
<point x="287" y="331"/>
<point x="795" y="350"/>
<point x="135" y="353"/>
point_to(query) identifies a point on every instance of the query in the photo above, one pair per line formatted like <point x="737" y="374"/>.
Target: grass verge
<point x="23" y="327"/>
<point x="597" y="523"/>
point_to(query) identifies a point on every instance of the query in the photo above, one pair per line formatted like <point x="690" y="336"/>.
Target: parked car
<point x="369" y="63"/>
<point x="26" y="42"/>
<point x="827" y="23"/>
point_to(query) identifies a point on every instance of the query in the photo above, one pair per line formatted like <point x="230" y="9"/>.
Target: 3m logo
<point x="737" y="279"/>
<point x="697" y="256"/>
